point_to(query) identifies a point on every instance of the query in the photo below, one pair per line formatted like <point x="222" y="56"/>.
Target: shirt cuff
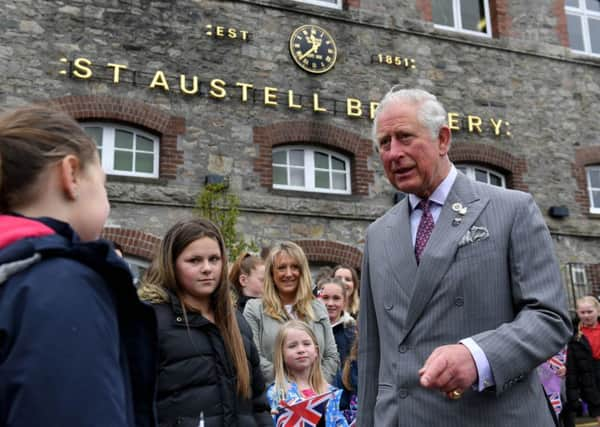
<point x="484" y="371"/>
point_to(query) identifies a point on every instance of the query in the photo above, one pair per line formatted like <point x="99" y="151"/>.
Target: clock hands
<point x="316" y="43"/>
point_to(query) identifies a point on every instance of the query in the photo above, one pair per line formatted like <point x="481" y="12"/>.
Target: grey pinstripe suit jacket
<point x="504" y="291"/>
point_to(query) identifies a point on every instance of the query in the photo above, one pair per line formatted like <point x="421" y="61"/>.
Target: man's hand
<point x="449" y="368"/>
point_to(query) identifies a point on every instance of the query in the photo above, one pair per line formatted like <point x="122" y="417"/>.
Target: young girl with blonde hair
<point x="298" y="374"/>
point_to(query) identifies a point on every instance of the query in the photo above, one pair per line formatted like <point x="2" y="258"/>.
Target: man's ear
<point x="444" y="138"/>
<point x="70" y="171"/>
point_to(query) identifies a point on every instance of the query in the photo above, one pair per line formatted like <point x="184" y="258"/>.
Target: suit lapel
<point x="399" y="249"/>
<point x="442" y="245"/>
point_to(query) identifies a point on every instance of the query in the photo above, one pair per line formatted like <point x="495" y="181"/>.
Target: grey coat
<point x="498" y="283"/>
<point x="265" y="328"/>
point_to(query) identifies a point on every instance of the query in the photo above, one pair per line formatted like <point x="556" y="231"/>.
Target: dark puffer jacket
<point x="582" y="380"/>
<point x="77" y="347"/>
<point x="196" y="374"/>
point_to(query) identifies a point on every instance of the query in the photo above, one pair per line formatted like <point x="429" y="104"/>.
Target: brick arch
<point x="134" y="242"/>
<point x="95" y="107"/>
<point x="310" y="132"/>
<point x="585" y="156"/>
<point x="331" y="252"/>
<point x="514" y="168"/>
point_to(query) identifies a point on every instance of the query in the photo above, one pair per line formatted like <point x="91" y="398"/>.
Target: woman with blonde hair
<point x="208" y="363"/>
<point x="288" y="295"/>
<point x="298" y="374"/>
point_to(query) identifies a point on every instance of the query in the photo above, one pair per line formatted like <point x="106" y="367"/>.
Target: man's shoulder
<point x="390" y="217"/>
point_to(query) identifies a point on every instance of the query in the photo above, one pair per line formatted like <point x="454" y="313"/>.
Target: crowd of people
<point x="460" y="318"/>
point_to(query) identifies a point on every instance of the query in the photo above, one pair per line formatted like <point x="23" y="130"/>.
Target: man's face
<point x="414" y="162"/>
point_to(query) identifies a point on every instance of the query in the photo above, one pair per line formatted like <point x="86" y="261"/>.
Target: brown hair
<point x="335" y="281"/>
<point x="304" y="296"/>
<point x="244" y="264"/>
<point x="162" y="274"/>
<point x="347" y="368"/>
<point x="353" y="298"/>
<point x="31" y="138"/>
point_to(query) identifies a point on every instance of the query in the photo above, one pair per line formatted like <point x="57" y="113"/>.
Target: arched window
<point x="593" y="184"/>
<point x="125" y="150"/>
<point x="303" y="168"/>
<point x="482" y="174"/>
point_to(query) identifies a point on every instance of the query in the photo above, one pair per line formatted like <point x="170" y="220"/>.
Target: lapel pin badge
<point x="460" y="210"/>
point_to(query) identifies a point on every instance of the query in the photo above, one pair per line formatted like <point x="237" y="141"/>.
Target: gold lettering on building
<point x="217" y="88"/>
<point x="159" y="80"/>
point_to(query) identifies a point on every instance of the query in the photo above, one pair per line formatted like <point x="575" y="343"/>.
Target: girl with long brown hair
<point x="208" y="362"/>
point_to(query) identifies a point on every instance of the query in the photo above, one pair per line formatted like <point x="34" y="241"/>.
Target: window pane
<point x="297" y="177"/>
<point x="123" y="161"/>
<point x="596" y="199"/>
<point x="594" y="175"/>
<point x="572" y="3"/>
<point x="144" y="162"/>
<point x="593" y="5"/>
<point x="337" y="164"/>
<point x="594" y="34"/>
<point x="481" y="176"/>
<point x="321" y="179"/>
<point x="321" y="160"/>
<point x="279" y="157"/>
<point x="123" y="139"/>
<point x="473" y="15"/>
<point x="575" y="34"/>
<point x="495" y="180"/>
<point x="297" y="157"/>
<point x="96" y="134"/>
<point x="279" y="175"/>
<point x="144" y="144"/>
<point x="442" y="12"/>
<point x="339" y="181"/>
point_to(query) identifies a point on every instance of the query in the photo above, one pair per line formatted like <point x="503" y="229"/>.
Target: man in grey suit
<point x="461" y="294"/>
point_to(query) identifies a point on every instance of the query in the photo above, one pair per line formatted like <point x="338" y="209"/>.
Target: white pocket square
<point x="473" y="235"/>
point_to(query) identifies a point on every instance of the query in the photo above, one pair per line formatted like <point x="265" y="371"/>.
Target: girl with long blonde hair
<point x="298" y="374"/>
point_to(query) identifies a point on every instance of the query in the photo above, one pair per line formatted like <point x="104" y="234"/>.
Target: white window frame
<point x="456" y="8"/>
<point x="578" y="270"/>
<point x="309" y="169"/>
<point x="108" y="148"/>
<point x="596" y="168"/>
<point x="470" y="172"/>
<point x="334" y="5"/>
<point x="584" y="14"/>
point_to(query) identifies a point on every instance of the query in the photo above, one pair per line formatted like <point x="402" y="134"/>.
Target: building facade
<point x="275" y="97"/>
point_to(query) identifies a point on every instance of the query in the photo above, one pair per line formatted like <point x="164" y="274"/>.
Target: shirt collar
<point x="440" y="194"/>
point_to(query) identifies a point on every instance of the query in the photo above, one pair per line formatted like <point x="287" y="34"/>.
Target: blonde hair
<point x="353" y="302"/>
<point x="588" y="299"/>
<point x="272" y="302"/>
<point x="161" y="275"/>
<point x="283" y="378"/>
<point x="32" y="138"/>
<point x="333" y="281"/>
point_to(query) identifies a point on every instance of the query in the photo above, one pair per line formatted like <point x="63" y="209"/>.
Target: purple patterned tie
<point x="425" y="228"/>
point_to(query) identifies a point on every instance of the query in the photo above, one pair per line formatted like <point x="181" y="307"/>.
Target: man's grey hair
<point x="430" y="112"/>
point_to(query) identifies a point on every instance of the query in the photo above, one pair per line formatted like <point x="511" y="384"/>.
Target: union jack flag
<point x="305" y="413"/>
